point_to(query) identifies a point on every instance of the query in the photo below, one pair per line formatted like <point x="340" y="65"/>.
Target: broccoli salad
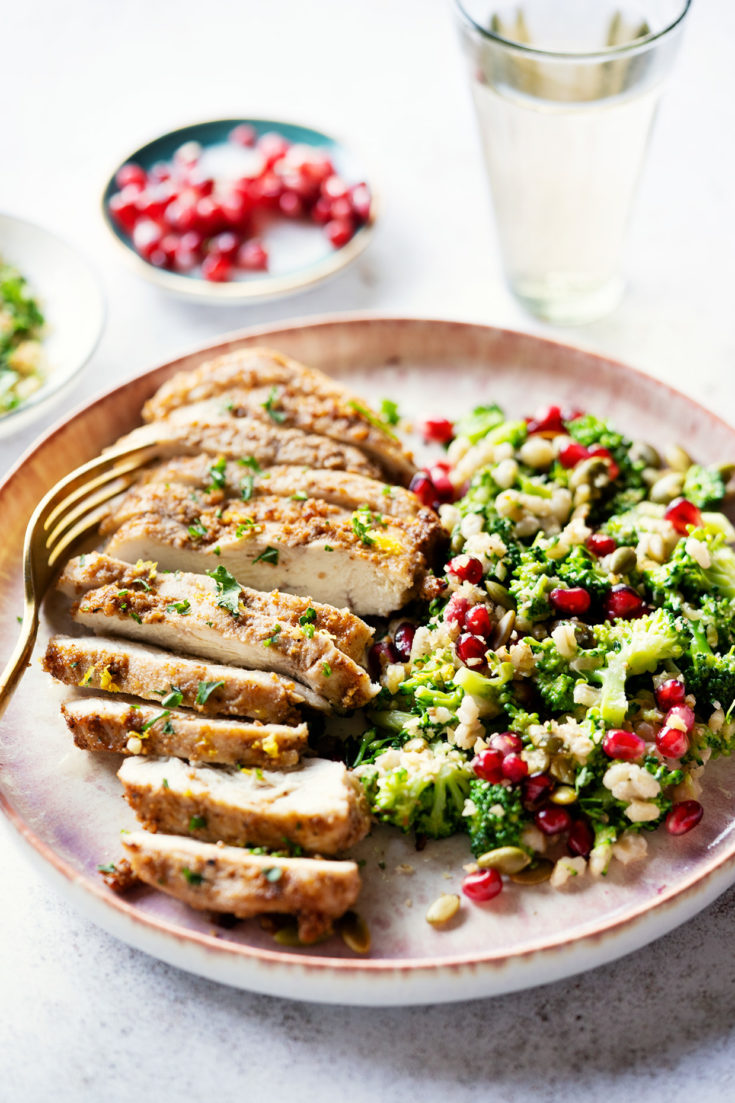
<point x="21" y="354"/>
<point x="561" y="696"/>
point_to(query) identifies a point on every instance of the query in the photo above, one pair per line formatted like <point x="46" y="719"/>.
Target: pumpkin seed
<point x="288" y="935"/>
<point x="535" y="874"/>
<point x="587" y="471"/>
<point x="503" y="629"/>
<point x="564" y="794"/>
<point x="727" y="470"/>
<point x="444" y="908"/>
<point x="623" y="560"/>
<point x="562" y="769"/>
<point x="668" y="487"/>
<point x="354" y="931"/>
<point x="641" y="450"/>
<point x="506" y="859"/>
<point x="499" y="595"/>
<point x="548" y="742"/>
<point x="677" y="458"/>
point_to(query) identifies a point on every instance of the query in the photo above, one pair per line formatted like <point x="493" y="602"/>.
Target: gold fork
<point x="70" y="511"/>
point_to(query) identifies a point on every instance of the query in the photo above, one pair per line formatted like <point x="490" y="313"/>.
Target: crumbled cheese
<point x="630" y="847"/>
<point x="642" y="811"/>
<point x="565" y="870"/>
<point x="134" y="744"/>
<point x="629" y="782"/>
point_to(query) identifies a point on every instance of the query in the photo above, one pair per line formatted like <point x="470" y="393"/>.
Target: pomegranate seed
<point x="488" y="766"/>
<point x="672" y="742"/>
<point x="506" y="742"/>
<point x="580" y="839"/>
<point x="224" y="245"/>
<point x="478" y="621"/>
<point x="159" y="172"/>
<point x="442" y="484"/>
<point x="242" y="135"/>
<point x="192" y="241"/>
<point x="553" y="820"/>
<point x="334" y="187"/>
<point x="623" y="603"/>
<point x="235" y="210"/>
<point x="624" y="745"/>
<point x="185" y="261"/>
<point x="188" y="154"/>
<point x="321" y="212"/>
<point x="600" y="544"/>
<point x="613" y="467"/>
<point x="151" y="203"/>
<point x="572" y="414"/>
<point x="403" y="640"/>
<point x="131" y="174"/>
<point x="123" y="209"/>
<point x="684" y="816"/>
<point x="536" y="788"/>
<point x="572" y="454"/>
<point x="339" y="231"/>
<point x="360" y="199"/>
<point x="182" y="216"/>
<point x="341" y="209"/>
<point x="158" y="258"/>
<point x="272" y="146"/>
<point x="466" y="568"/>
<point x="210" y="218"/>
<point x="381" y="654"/>
<point x="424" y="489"/>
<point x="482" y="885"/>
<point x="572" y="602"/>
<point x="546" y="421"/>
<point x="683" y="714"/>
<point x="514" y="768"/>
<point x="670" y="693"/>
<point x="146" y="237"/>
<point x="252" y="257"/>
<point x="291" y="205"/>
<point x="456" y="609"/>
<point x="169" y="245"/>
<point x="217" y="268"/>
<point x="682" y="514"/>
<point x="439" y="429"/>
<point x="471" y="649"/>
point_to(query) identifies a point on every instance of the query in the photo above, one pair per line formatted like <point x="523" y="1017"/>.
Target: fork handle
<point x="20" y="658"/>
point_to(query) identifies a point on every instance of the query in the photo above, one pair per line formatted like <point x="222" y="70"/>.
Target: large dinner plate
<point x="67" y="808"/>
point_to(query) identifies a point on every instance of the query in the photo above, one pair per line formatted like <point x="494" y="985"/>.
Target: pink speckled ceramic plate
<point x="67" y="807"/>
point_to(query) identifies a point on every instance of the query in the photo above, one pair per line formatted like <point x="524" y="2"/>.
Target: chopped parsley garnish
<point x="197" y="822"/>
<point x="196" y="530"/>
<point x="168" y="728"/>
<point x="299" y="496"/>
<point x="389" y="410"/>
<point x="307" y="622"/>
<point x="109" y="868"/>
<point x="326" y="670"/>
<point x="218" y="474"/>
<point x="190" y="876"/>
<point x="373" y="419"/>
<point x="273" y="873"/>
<point x="136" y="618"/>
<point x="172" y="699"/>
<point x="274" y="637"/>
<point x="270" y="406"/>
<point x="250" y="461"/>
<point x="363" y="520"/>
<point x="183" y="607"/>
<point x="328" y="547"/>
<point x="205" y="691"/>
<point x="165" y="783"/>
<point x="270" y="555"/>
<point x="244" y="527"/>
<point x="149" y="723"/>
<point x="228" y="589"/>
<point x="246" y="487"/>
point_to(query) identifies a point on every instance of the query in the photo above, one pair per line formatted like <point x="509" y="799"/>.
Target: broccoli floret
<point x="424" y="791"/>
<point x="479" y="422"/>
<point x="704" y="486"/>
<point x="710" y="677"/>
<point x="497" y="816"/>
<point x="685" y="573"/>
<point x="579" y="568"/>
<point x="553" y="678"/>
<point x="538" y="573"/>
<point x="632" y="648"/>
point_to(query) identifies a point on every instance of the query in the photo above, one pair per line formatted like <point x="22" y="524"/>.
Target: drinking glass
<point x="565" y="93"/>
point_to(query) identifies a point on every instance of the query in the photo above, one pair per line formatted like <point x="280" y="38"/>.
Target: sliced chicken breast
<point x="319" y="806"/>
<point x="371" y="563"/>
<point x="263" y="384"/>
<point x="120" y="666"/>
<point x="229" y="879"/>
<point x="103" y="724"/>
<point x="180" y="612"/>
<point x="87" y="572"/>
<point x="246" y="438"/>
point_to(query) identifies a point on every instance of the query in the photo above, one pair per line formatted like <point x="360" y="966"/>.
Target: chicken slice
<point x="103" y="724"/>
<point x="222" y="478"/>
<point x="180" y="612"/>
<point x="88" y="572"/>
<point x="267" y="444"/>
<point x="263" y="384"/>
<point x="319" y="806"/>
<point x="370" y="563"/>
<point x="229" y="879"/>
<point x="121" y="666"/>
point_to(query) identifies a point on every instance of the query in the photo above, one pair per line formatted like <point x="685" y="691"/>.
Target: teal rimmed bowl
<point x="300" y="254"/>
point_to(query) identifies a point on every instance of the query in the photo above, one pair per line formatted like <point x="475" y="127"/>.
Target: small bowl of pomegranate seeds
<point x="240" y="209"/>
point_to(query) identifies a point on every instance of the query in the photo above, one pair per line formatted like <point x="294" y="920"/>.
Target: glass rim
<point x="606" y="53"/>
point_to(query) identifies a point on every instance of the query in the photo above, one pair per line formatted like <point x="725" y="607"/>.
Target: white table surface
<point x="82" y="1017"/>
